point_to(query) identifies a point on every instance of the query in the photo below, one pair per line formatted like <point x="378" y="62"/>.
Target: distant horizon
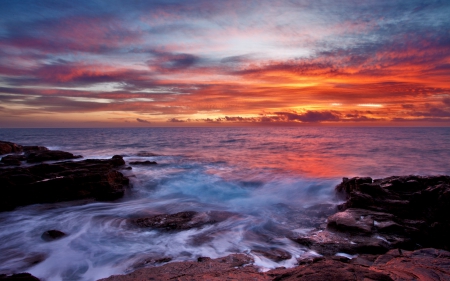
<point x="241" y="63"/>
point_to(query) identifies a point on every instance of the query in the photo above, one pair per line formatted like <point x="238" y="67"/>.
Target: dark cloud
<point x="310" y="116"/>
<point x="408" y="106"/>
<point x="446" y="101"/>
<point x="142" y="121"/>
<point x="432" y="112"/>
<point x="175" y="120"/>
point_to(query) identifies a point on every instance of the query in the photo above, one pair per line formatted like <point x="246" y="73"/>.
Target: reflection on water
<point x="267" y="178"/>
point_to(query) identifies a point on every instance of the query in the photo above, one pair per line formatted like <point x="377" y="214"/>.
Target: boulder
<point x="51" y="235"/>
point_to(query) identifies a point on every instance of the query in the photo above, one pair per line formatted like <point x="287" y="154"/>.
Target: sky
<point x="224" y="63"/>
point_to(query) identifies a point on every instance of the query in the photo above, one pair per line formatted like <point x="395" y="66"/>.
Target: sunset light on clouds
<point x="224" y="63"/>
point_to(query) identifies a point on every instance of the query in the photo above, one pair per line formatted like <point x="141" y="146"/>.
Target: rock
<point x="49" y="155"/>
<point x="51" y="235"/>
<point x="421" y="265"/>
<point x="274" y="254"/>
<point x="328" y="269"/>
<point x="18" y="277"/>
<point x="146" y="163"/>
<point x="182" y="220"/>
<point x="9" y="147"/>
<point x="27" y="148"/>
<point x="13" y="159"/>
<point x="64" y="181"/>
<point x="232" y="267"/>
<point x="412" y="207"/>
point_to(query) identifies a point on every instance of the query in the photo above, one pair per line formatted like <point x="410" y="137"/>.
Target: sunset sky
<point x="224" y="63"/>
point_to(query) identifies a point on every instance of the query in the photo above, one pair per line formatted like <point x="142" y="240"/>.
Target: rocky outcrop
<point x="379" y="233"/>
<point x="232" y="267"/>
<point x="49" y="155"/>
<point x="414" y="208"/>
<point x="182" y="220"/>
<point x="32" y="154"/>
<point x="9" y="147"/>
<point x="63" y="181"/>
<point x="420" y="265"/>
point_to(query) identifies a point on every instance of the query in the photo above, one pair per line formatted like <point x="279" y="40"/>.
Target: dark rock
<point x="182" y="220"/>
<point x="408" y="207"/>
<point x="63" y="181"/>
<point x="329" y="269"/>
<point x="13" y="159"/>
<point x="49" y="155"/>
<point x="18" y="277"/>
<point x="27" y="148"/>
<point x="143" y="163"/>
<point x="232" y="267"/>
<point x="51" y="235"/>
<point x="421" y="265"/>
<point x="9" y="147"/>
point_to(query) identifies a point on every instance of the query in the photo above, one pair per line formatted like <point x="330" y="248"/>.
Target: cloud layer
<point x="200" y="62"/>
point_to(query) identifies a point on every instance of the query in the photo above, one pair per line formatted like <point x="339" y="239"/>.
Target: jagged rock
<point x="51" y="235"/>
<point x="413" y="207"/>
<point x="63" y="181"/>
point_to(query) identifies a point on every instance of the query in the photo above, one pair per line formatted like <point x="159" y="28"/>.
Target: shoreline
<point x="386" y="229"/>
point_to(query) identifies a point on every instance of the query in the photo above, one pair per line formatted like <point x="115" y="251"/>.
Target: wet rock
<point x="18" y="277"/>
<point x="182" y="220"/>
<point x="64" y="181"/>
<point x="420" y="265"/>
<point x="9" y="147"/>
<point x="49" y="155"/>
<point x="274" y="254"/>
<point x="329" y="269"/>
<point x="232" y="267"/>
<point x="413" y="207"/>
<point x="149" y="261"/>
<point x="143" y="163"/>
<point x="51" y="235"/>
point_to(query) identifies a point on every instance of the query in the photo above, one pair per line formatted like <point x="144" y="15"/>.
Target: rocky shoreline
<point x="395" y="228"/>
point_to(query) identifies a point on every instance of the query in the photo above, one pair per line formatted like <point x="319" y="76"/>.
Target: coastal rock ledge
<point x="98" y="179"/>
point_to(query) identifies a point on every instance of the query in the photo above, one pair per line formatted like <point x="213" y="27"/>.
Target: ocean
<point x="266" y="176"/>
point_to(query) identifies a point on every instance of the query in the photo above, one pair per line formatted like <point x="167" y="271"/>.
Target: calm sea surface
<point x="265" y="175"/>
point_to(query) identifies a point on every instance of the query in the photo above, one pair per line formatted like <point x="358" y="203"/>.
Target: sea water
<point x="266" y="177"/>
